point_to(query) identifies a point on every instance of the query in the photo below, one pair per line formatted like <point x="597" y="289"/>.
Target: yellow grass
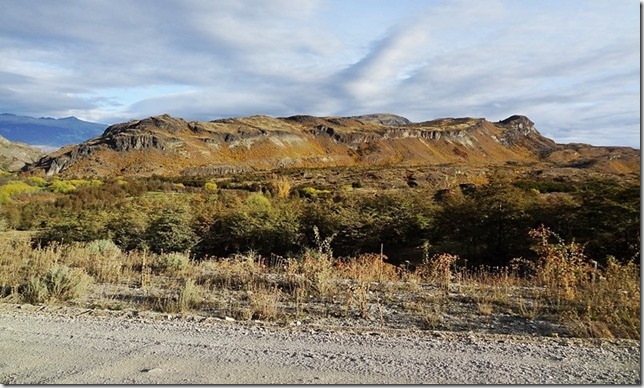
<point x="561" y="286"/>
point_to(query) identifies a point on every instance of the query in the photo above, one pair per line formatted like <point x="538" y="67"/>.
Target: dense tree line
<point x="486" y="224"/>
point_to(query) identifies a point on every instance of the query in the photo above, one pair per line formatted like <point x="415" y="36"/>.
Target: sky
<point x="571" y="66"/>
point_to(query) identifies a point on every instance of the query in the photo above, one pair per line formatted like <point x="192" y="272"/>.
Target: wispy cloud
<point x="572" y="66"/>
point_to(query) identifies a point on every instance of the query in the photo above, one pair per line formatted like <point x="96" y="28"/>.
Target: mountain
<point x="47" y="131"/>
<point x="165" y="145"/>
<point x="13" y="156"/>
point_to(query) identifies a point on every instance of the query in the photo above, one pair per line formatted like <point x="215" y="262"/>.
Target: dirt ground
<point x="59" y="345"/>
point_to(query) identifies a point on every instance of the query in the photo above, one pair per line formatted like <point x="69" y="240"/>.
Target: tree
<point x="171" y="231"/>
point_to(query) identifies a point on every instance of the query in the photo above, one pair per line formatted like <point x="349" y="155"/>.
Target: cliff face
<point x="173" y="146"/>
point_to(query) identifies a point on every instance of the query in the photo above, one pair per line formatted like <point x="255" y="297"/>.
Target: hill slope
<point x="13" y="156"/>
<point x="165" y="145"/>
<point x="46" y="131"/>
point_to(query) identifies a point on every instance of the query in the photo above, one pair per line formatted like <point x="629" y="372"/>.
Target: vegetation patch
<point x="559" y="257"/>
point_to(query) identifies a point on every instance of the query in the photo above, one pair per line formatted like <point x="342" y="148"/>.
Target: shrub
<point x="60" y="283"/>
<point x="60" y="186"/>
<point x="370" y="267"/>
<point x="129" y="227"/>
<point x="263" y="302"/>
<point x="103" y="247"/>
<point x="593" y="301"/>
<point x="437" y="269"/>
<point x="186" y="298"/>
<point x="210" y="187"/>
<point x="171" y="232"/>
<point x="562" y="268"/>
<point x="34" y="291"/>
<point x="37" y="181"/>
<point x="280" y="186"/>
<point x="84" y="226"/>
<point x="64" y="283"/>
<point x="171" y="262"/>
<point x="256" y="224"/>
<point x="105" y="262"/>
<point x="14" y="188"/>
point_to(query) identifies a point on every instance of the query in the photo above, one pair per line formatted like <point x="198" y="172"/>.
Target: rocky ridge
<point x="166" y="145"/>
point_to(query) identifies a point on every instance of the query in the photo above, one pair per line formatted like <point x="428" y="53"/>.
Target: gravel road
<point x="38" y="346"/>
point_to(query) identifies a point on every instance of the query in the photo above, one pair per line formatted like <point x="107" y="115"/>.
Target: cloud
<point x="571" y="66"/>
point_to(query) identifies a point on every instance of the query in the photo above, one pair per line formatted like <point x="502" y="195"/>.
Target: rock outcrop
<point x="14" y="156"/>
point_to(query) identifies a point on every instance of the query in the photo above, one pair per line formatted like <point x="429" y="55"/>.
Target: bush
<point x="64" y="283"/>
<point x="84" y="226"/>
<point x="256" y="224"/>
<point x="312" y="192"/>
<point x="186" y="298"/>
<point x="129" y="228"/>
<point x="60" y="283"/>
<point x="171" y="232"/>
<point x="171" y="262"/>
<point x="593" y="301"/>
<point x="58" y="186"/>
<point x="37" y="181"/>
<point x="280" y="186"/>
<point x="34" y="291"/>
<point x="102" y="247"/>
<point x="105" y="262"/>
<point x="210" y="187"/>
<point x="362" y="222"/>
<point x="14" y="188"/>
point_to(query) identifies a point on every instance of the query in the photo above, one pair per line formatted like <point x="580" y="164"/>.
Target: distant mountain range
<point x="165" y="145"/>
<point x="47" y="132"/>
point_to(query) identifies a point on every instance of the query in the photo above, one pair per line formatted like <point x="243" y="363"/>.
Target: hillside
<point x="165" y="145"/>
<point x="47" y="131"/>
<point x="13" y="156"/>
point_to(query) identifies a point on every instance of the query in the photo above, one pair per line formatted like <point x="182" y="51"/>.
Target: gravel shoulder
<point x="59" y="345"/>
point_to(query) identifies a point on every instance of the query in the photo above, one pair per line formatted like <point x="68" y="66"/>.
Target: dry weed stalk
<point x="369" y="267"/>
<point x="437" y="269"/>
<point x="562" y="268"/>
<point x="281" y="186"/>
<point x="263" y="302"/>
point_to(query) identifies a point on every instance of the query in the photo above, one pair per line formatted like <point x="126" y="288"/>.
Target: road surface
<point x="39" y="347"/>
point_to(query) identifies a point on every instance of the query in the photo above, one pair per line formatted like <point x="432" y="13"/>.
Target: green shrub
<point x="60" y="283"/>
<point x="187" y="297"/>
<point x="256" y="224"/>
<point x="129" y="227"/>
<point x="171" y="262"/>
<point x="210" y="187"/>
<point x="84" y="226"/>
<point x="59" y="186"/>
<point x="171" y="232"/>
<point x="64" y="283"/>
<point x="312" y="192"/>
<point x="38" y="181"/>
<point x="258" y="203"/>
<point x="102" y="247"/>
<point x="34" y="291"/>
<point x="13" y="188"/>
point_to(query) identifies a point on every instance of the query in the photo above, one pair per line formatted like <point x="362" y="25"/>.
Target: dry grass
<point x="281" y="186"/>
<point x="563" y="285"/>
